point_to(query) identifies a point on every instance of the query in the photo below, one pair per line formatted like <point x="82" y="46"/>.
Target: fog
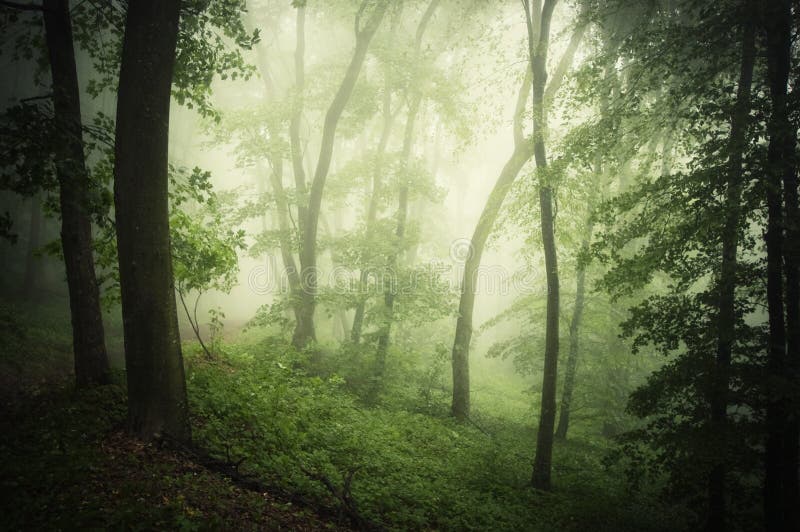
<point x="377" y="257"/>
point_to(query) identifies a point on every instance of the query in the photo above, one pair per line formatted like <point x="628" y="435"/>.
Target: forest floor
<point x="68" y="464"/>
<point x="278" y="448"/>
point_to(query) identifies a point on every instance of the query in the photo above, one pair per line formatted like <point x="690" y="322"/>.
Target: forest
<point x="400" y="265"/>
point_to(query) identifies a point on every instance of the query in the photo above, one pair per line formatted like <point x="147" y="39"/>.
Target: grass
<point x="398" y="464"/>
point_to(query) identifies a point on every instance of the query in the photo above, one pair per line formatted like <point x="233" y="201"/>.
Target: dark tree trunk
<point x="726" y="333"/>
<point x="780" y="485"/>
<point x="33" y="264"/>
<point x="547" y="417"/>
<point x="157" y="400"/>
<point x="91" y="360"/>
<point x="304" y="328"/>
<point x="574" y="340"/>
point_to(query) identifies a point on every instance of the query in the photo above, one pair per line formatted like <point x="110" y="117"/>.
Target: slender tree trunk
<point x="544" y="439"/>
<point x="372" y="208"/>
<point x="400" y="232"/>
<point x="377" y="187"/>
<point x="304" y="328"/>
<point x="33" y="264"/>
<point x="157" y="403"/>
<point x="402" y="207"/>
<point x="574" y="340"/>
<point x="523" y="151"/>
<point x="276" y="164"/>
<point x="780" y="485"/>
<point x="304" y="317"/>
<point x="91" y="360"/>
<point x="296" y="118"/>
<point x="460" y="358"/>
<point x="287" y="251"/>
<point x="726" y="333"/>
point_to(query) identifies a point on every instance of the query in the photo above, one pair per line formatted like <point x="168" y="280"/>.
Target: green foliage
<point x="391" y="467"/>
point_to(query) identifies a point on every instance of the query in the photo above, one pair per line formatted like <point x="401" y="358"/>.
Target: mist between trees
<point x="400" y="264"/>
<point x="437" y="276"/>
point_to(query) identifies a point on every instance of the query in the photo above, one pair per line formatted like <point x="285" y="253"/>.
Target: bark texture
<point x="157" y="400"/>
<point x="88" y="338"/>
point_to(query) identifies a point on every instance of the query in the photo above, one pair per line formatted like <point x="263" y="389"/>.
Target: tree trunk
<point x="296" y="118"/>
<point x="287" y="251"/>
<point x="400" y="232"/>
<point x="304" y="328"/>
<point x="523" y="151"/>
<point x="574" y="340"/>
<point x="402" y="207"/>
<point x="157" y="402"/>
<point x="91" y="360"/>
<point x="726" y="333"/>
<point x="780" y="485"/>
<point x="544" y="438"/>
<point x="372" y="208"/>
<point x="33" y="264"/>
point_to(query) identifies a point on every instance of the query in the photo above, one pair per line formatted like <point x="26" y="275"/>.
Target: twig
<point x="35" y="98"/>
<point x="195" y="327"/>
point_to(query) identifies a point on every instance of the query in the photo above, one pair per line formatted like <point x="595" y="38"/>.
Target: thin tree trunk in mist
<point x="574" y="339"/>
<point x="377" y="186"/>
<point x="402" y="206"/>
<point x="287" y="251"/>
<point x="304" y="328"/>
<point x="297" y="117"/>
<point x="303" y="319"/>
<point x="400" y="232"/>
<point x="33" y="264"/>
<point x="372" y="207"/>
<point x="88" y="339"/>
<point x="781" y="483"/>
<point x="276" y="165"/>
<point x="726" y="333"/>
<point x="157" y="402"/>
<point x="544" y="438"/>
<point x="523" y="151"/>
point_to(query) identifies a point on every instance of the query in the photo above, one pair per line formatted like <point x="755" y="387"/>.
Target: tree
<point x="91" y="360"/>
<point x="65" y="142"/>
<point x="783" y="293"/>
<point x="689" y="239"/>
<point x="402" y="207"/>
<point x="726" y="321"/>
<point x="574" y="338"/>
<point x="157" y="402"/>
<point x="304" y="328"/>
<point x="538" y="61"/>
<point x="523" y="151"/>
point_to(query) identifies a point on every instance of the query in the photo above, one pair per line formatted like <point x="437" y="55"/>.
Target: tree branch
<point x="21" y="6"/>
